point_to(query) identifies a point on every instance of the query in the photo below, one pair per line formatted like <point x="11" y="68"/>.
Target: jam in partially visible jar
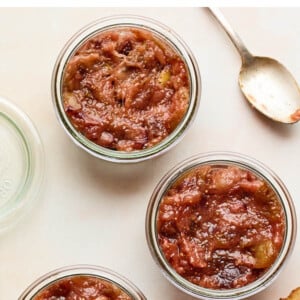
<point x="82" y="287"/>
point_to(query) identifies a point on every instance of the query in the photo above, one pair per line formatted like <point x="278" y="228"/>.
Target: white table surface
<point x="92" y="212"/>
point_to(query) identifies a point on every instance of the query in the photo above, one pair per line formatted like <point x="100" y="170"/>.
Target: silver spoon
<point x="265" y="82"/>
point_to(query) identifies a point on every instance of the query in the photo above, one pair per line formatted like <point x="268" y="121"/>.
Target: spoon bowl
<point x="265" y="83"/>
<point x="271" y="89"/>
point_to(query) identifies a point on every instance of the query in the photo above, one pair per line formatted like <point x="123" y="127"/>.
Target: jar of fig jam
<point x="126" y="88"/>
<point x="221" y="226"/>
<point x="82" y="282"/>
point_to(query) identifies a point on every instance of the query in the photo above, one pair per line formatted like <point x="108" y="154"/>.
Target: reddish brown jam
<point x="296" y="115"/>
<point x="126" y="89"/>
<point x="220" y="227"/>
<point x="82" y="288"/>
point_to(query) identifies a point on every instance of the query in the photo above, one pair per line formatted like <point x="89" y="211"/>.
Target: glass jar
<point x="82" y="270"/>
<point x="227" y="159"/>
<point x="21" y="164"/>
<point x="163" y="33"/>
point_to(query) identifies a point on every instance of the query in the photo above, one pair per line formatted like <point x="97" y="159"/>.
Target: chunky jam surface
<point x="220" y="227"/>
<point x="82" y="288"/>
<point x="126" y="89"/>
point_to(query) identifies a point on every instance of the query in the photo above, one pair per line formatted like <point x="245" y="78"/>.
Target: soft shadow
<point x="176" y="294"/>
<point x="283" y="130"/>
<point x="118" y="178"/>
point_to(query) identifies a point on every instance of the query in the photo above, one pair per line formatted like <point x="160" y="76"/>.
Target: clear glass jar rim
<point x="162" y="31"/>
<point x="33" y="154"/>
<point x="243" y="161"/>
<point x="85" y="270"/>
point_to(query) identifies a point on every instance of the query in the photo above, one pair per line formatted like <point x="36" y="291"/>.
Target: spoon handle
<point x="236" y="40"/>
